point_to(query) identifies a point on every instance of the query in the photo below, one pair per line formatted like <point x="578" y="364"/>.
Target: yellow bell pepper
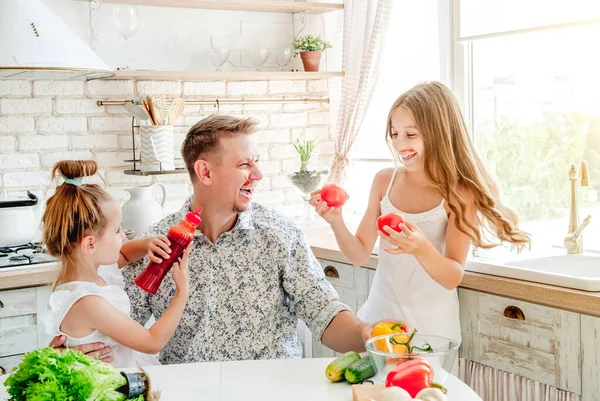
<point x="385" y="328"/>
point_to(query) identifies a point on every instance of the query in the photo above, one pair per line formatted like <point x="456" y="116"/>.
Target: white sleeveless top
<point x="402" y="289"/>
<point x="65" y="295"/>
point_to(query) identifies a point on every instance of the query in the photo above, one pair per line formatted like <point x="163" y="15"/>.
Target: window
<point x="411" y="56"/>
<point x="535" y="110"/>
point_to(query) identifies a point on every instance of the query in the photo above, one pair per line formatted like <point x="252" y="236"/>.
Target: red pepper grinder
<point x="180" y="236"/>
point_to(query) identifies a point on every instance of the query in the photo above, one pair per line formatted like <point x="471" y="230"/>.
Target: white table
<point x="270" y="380"/>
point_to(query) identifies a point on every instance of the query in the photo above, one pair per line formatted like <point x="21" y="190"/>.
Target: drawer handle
<point x="1" y="305"/>
<point x="331" y="272"/>
<point x="514" y="312"/>
<point x="2" y="371"/>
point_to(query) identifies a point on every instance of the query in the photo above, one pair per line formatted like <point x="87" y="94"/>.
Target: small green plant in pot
<point x="310" y="48"/>
<point x="306" y="179"/>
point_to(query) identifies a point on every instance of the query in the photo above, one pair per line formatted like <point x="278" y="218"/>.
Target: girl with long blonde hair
<point x="82" y="227"/>
<point x="449" y="201"/>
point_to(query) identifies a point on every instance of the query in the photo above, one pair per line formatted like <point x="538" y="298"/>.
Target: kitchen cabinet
<point x="590" y="357"/>
<point x="21" y="329"/>
<point x="548" y="346"/>
<point x="352" y="285"/>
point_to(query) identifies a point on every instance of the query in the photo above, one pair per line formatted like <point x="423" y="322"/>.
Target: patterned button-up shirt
<point x="247" y="291"/>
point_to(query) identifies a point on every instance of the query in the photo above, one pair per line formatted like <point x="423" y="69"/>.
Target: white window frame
<point x="460" y="54"/>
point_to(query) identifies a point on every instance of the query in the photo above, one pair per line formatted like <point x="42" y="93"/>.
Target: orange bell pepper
<point x="390" y="328"/>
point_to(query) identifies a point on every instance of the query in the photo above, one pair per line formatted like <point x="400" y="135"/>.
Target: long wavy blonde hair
<point x="451" y="164"/>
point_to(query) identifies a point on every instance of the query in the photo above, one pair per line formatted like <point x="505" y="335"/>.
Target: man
<point x="252" y="273"/>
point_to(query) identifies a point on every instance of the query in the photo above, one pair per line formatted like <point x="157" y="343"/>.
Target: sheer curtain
<point x="365" y="24"/>
<point x="496" y="385"/>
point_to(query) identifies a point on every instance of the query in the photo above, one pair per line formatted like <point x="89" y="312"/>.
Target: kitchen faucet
<point x="573" y="239"/>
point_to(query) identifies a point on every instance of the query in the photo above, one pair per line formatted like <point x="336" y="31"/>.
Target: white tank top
<point x="402" y="289"/>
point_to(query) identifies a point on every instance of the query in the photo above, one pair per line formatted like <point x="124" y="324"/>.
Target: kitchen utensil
<point x="175" y="111"/>
<point x="148" y="110"/>
<point x="136" y="111"/>
<point x="162" y="103"/>
<point x="19" y="219"/>
<point x="141" y="209"/>
<point x="158" y="120"/>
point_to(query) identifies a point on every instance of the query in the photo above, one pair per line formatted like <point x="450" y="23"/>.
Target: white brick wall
<point x="25" y="106"/>
<point x="42" y="122"/>
<point x="57" y="88"/>
<point x="15" y="88"/>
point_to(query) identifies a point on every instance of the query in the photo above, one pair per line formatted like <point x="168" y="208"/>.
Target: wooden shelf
<point x="220" y="76"/>
<point x="275" y="6"/>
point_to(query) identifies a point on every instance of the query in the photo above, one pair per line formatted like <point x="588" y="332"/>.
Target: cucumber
<point x="335" y="370"/>
<point x="360" y="371"/>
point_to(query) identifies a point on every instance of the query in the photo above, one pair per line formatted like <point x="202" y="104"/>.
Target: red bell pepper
<point x="413" y="376"/>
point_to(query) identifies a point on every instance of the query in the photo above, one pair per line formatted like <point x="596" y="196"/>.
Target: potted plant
<point x="310" y="49"/>
<point x="306" y="179"/>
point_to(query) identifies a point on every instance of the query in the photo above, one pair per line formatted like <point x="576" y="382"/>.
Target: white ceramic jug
<point x="142" y="210"/>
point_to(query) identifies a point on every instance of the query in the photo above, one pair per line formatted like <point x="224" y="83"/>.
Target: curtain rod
<point x="223" y="101"/>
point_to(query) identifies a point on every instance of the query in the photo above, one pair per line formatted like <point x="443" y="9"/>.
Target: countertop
<point x="287" y="379"/>
<point x="324" y="246"/>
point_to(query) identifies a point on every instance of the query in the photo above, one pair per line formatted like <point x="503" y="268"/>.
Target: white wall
<point x="177" y="38"/>
<point x="45" y="121"/>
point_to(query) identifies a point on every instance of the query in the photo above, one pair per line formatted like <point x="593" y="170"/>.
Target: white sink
<point x="580" y="272"/>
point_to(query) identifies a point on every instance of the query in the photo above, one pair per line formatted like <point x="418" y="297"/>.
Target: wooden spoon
<point x="176" y="109"/>
<point x="148" y="110"/>
<point x="155" y="112"/>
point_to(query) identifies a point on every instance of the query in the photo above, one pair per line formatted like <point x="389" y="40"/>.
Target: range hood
<point x="36" y="44"/>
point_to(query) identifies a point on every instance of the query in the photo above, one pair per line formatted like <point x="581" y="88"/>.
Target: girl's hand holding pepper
<point x="411" y="240"/>
<point x="332" y="215"/>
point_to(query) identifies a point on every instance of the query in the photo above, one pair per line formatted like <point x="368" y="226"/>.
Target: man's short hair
<point x="203" y="138"/>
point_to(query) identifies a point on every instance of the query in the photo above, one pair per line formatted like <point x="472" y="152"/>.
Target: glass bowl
<point x="442" y="359"/>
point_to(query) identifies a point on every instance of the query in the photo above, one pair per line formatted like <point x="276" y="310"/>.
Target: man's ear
<point x="203" y="171"/>
<point x="88" y="245"/>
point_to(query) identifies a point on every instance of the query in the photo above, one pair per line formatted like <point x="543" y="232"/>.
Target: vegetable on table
<point x="50" y="374"/>
<point x="399" y="394"/>
<point x="335" y="370"/>
<point x="413" y="376"/>
<point x="360" y="371"/>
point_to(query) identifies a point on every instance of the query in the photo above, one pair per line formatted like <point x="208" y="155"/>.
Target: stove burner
<point x="27" y="254"/>
<point x="20" y="258"/>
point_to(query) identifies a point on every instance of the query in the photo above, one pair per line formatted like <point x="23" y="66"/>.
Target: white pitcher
<point x="142" y="210"/>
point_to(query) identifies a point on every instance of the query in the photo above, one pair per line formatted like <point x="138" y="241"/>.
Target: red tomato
<point x="334" y="195"/>
<point x="392" y="219"/>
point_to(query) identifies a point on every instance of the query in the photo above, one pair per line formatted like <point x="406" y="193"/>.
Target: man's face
<point x="235" y="177"/>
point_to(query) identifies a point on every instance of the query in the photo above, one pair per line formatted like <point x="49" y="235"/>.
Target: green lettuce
<point x="69" y="375"/>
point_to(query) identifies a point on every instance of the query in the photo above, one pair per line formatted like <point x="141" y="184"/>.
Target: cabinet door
<point x="18" y="326"/>
<point x="42" y="296"/>
<point x="9" y="362"/>
<point x="351" y="284"/>
<point x="590" y="351"/>
<point x="529" y="340"/>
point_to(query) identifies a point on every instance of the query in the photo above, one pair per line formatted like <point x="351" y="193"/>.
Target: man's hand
<point x="93" y="350"/>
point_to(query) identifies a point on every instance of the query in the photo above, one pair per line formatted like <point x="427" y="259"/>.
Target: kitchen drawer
<point x="339" y="274"/>
<point x="18" y="334"/>
<point x="530" y="340"/>
<point x="9" y="362"/>
<point x="17" y="302"/>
